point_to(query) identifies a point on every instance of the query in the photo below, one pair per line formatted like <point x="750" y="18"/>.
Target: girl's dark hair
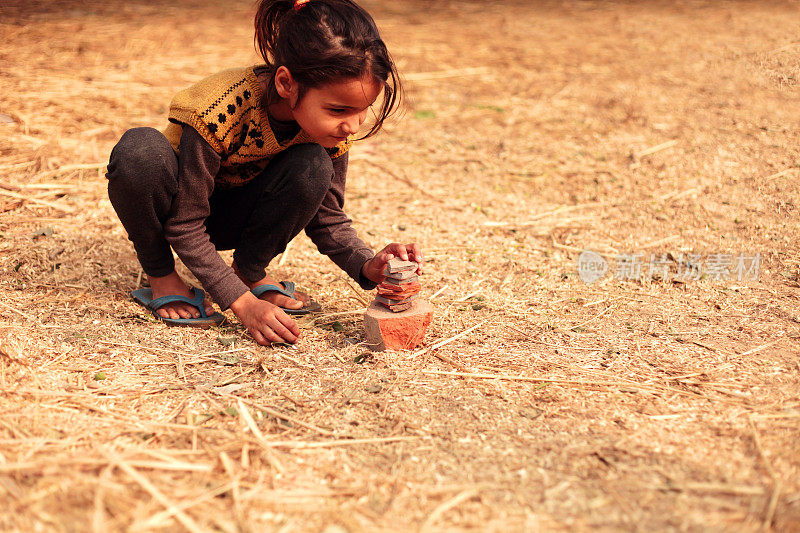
<point x="324" y="41"/>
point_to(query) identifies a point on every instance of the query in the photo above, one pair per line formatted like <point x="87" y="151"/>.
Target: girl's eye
<point x="337" y="110"/>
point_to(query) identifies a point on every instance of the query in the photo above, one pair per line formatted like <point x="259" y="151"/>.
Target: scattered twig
<point x="558" y="211"/>
<point x="509" y="377"/>
<point x="165" y="350"/>
<point x="762" y="347"/>
<point x="64" y="208"/>
<point x="300" y="445"/>
<point x="776" y="482"/>
<point x="327" y="316"/>
<point x="16" y="166"/>
<point x="357" y="293"/>
<point x="563" y="346"/>
<point x="618" y="384"/>
<point x="567" y="247"/>
<point x="143" y="482"/>
<point x="451" y="361"/>
<point x="744" y="490"/>
<point x="60" y="188"/>
<point x="172" y="465"/>
<point x="563" y="209"/>
<point x="292" y="360"/>
<point x="656" y="148"/>
<point x="659" y="242"/>
<point x="437" y="293"/>
<point x="468" y="296"/>
<point x="20" y="313"/>
<point x="277" y="414"/>
<point x="606" y="310"/>
<point x="230" y="469"/>
<point x="445" y="506"/>
<point x="706" y="346"/>
<point x="67" y="168"/>
<point x="394" y="175"/>
<point x="99" y="523"/>
<point x="678" y="194"/>
<point x="448" y="341"/>
<point x="157" y="520"/>
<point x="244" y="413"/>
<point x="774" y="416"/>
<point x="772" y="506"/>
<point x="9" y="187"/>
<point x="179" y="367"/>
<point x="780" y="174"/>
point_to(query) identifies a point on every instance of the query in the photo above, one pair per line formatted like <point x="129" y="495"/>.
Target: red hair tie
<point x="298" y="4"/>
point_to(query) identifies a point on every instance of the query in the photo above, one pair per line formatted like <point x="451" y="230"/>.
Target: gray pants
<point x="256" y="220"/>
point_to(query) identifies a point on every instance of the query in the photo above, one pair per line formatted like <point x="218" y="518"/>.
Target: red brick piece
<point x="396" y="305"/>
<point x="386" y="330"/>
<point x="400" y="307"/>
<point x="399" y="292"/>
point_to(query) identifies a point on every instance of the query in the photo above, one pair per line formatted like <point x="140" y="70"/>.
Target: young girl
<point x="251" y="157"/>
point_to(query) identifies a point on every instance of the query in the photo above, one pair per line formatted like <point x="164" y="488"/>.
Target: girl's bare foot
<point x="172" y="284"/>
<point x="275" y="298"/>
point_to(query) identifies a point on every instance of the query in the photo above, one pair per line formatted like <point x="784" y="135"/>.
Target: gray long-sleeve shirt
<point x="330" y="229"/>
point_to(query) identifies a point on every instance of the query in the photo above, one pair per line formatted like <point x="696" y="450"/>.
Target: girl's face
<point x="330" y="113"/>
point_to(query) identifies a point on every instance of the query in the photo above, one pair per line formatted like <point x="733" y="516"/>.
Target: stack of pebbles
<point x="400" y="288"/>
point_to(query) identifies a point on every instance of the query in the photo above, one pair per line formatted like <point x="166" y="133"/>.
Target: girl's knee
<point x="140" y="153"/>
<point x="143" y="170"/>
<point x="313" y="172"/>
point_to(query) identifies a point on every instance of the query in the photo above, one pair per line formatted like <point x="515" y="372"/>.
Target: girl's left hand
<point x="373" y="269"/>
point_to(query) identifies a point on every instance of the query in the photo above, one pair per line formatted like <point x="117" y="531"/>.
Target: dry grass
<point x="618" y="405"/>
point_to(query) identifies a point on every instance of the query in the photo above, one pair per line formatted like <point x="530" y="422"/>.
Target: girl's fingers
<point x="263" y="335"/>
<point x="258" y="337"/>
<point x="399" y="250"/>
<point x="283" y="325"/>
<point x="281" y="331"/>
<point x="403" y="252"/>
<point x="379" y="261"/>
<point x="415" y="252"/>
<point x="270" y="335"/>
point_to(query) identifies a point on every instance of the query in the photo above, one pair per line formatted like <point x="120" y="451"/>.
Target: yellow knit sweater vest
<point x="227" y="110"/>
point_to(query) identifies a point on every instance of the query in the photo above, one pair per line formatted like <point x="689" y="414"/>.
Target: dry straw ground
<point x="533" y="131"/>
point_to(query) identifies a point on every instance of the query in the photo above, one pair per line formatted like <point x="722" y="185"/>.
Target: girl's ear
<point x="285" y="84"/>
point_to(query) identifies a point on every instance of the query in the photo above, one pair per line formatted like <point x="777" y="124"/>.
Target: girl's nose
<point x="352" y="124"/>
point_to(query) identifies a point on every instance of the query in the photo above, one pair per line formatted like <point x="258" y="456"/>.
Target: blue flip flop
<point x="287" y="289"/>
<point x="145" y="297"/>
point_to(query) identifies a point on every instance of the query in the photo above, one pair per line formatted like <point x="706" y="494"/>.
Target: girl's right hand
<point x="266" y="322"/>
<point x="374" y="268"/>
